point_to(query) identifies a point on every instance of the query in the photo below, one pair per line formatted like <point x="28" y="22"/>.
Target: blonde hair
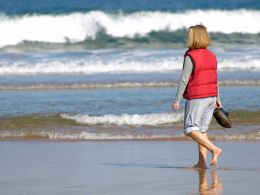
<point x="198" y="37"/>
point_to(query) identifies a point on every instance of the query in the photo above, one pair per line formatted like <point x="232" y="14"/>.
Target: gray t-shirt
<point x="187" y="70"/>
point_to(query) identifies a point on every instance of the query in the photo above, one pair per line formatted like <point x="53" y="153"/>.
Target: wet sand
<point x="125" y="167"/>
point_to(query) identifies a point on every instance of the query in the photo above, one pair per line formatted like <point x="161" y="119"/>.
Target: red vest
<point x="203" y="80"/>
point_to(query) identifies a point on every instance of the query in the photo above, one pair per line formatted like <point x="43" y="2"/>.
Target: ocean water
<point x="109" y="69"/>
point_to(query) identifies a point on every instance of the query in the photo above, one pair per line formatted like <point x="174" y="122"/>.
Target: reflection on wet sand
<point x="215" y="188"/>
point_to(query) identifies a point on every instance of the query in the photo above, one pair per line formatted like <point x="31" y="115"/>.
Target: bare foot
<point x="200" y="166"/>
<point x="215" y="155"/>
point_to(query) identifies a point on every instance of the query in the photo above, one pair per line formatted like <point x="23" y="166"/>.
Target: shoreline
<point x="225" y="138"/>
<point x="32" y="121"/>
<point x="53" y="128"/>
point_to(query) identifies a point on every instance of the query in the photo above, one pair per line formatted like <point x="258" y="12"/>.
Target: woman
<point x="199" y="86"/>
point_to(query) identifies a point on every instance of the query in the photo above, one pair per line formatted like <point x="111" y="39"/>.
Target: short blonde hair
<point x="198" y="37"/>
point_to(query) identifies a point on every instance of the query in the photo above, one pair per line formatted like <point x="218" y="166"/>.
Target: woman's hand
<point x="219" y="104"/>
<point x="175" y="106"/>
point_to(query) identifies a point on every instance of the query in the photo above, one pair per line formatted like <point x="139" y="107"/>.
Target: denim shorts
<point x="198" y="114"/>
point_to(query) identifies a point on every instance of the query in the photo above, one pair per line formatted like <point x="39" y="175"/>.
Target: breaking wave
<point x="152" y="119"/>
<point x="120" y="65"/>
<point x="79" y="27"/>
<point x="153" y="126"/>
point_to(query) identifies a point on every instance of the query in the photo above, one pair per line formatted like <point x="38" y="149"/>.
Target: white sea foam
<point x="84" y="136"/>
<point x="120" y="65"/>
<point x="77" y="27"/>
<point x="240" y="63"/>
<point x="153" y="119"/>
<point x="57" y="68"/>
<point x="79" y="136"/>
<point x="89" y="66"/>
<point x="101" y="136"/>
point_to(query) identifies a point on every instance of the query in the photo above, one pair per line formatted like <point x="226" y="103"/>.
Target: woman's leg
<point x="202" y="155"/>
<point x="204" y="141"/>
<point x="198" y="114"/>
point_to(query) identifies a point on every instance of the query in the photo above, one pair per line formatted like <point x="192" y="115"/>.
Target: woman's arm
<point x="187" y="69"/>
<point x="218" y="103"/>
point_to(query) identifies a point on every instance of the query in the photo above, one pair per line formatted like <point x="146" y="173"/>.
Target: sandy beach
<point x="125" y="167"/>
